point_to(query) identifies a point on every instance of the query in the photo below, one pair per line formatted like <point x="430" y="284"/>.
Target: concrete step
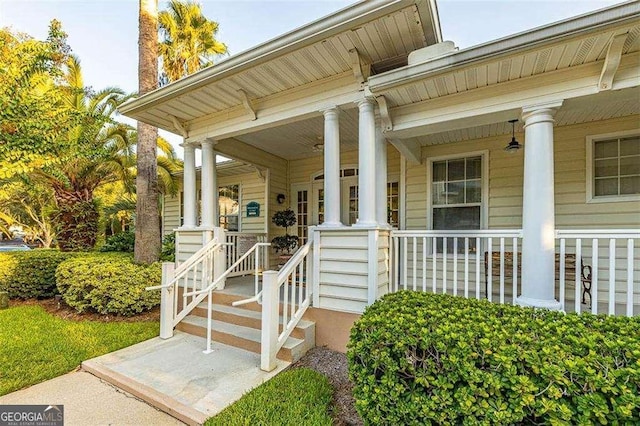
<point x="242" y="337"/>
<point x="250" y="318"/>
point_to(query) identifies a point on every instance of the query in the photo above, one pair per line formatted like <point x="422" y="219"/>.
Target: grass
<point x="295" y="397"/>
<point x="38" y="346"/>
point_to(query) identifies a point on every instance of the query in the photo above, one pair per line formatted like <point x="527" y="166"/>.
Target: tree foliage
<point x="188" y="40"/>
<point x="33" y="113"/>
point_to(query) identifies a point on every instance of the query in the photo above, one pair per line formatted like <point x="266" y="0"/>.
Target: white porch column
<point x="331" y="167"/>
<point x="381" y="177"/>
<point x="366" y="164"/>
<point x="538" y="204"/>
<point x="209" y="185"/>
<point x="189" y="186"/>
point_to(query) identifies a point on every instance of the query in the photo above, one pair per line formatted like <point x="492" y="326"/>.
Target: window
<point x="393" y="204"/>
<point x="301" y="216"/>
<point x="613" y="167"/>
<point x="457" y="196"/>
<point x="229" y="206"/>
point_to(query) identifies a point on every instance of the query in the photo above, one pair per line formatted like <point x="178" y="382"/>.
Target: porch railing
<point x="291" y="286"/>
<point x="607" y="277"/>
<point x="191" y="275"/>
<point x="207" y="292"/>
<point x="452" y="262"/>
<point x="596" y="270"/>
<point x="238" y="243"/>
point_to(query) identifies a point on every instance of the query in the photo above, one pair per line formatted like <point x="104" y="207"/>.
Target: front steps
<point x="241" y="327"/>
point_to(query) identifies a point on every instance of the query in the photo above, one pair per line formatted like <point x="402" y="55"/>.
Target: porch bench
<point x="569" y="269"/>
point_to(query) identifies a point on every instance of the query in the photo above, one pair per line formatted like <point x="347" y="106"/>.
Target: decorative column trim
<point x="332" y="199"/>
<point x="189" y="186"/>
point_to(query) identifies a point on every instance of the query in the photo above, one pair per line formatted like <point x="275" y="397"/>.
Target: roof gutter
<point x="618" y="14"/>
<point x="318" y="30"/>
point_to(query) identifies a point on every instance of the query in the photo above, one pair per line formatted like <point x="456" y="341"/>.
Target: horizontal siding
<point x="343" y="270"/>
<point x="252" y="188"/>
<point x="506" y="181"/>
<point x="170" y="214"/>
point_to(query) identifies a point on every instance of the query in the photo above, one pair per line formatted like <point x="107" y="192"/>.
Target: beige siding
<point x="506" y="180"/>
<point x="252" y="188"/>
<point x="170" y="214"/>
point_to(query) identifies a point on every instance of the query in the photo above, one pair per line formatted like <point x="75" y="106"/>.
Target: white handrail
<point x="200" y="294"/>
<point x="294" y="278"/>
<point x="186" y="265"/>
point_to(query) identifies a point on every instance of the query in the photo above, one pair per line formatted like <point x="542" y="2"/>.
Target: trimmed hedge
<point x="108" y="284"/>
<point x="30" y="274"/>
<point x="120" y="242"/>
<point x="417" y="358"/>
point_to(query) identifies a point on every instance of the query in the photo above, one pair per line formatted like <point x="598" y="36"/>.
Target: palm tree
<point x="96" y="150"/>
<point x="188" y="40"/>
<point x="148" y="239"/>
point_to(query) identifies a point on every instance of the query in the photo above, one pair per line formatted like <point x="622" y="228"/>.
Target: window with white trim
<point x="457" y="196"/>
<point x="615" y="166"/>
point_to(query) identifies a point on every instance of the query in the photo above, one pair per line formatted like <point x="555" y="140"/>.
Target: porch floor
<point x="175" y="376"/>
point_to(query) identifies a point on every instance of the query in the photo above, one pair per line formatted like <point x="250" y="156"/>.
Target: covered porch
<point x="393" y="159"/>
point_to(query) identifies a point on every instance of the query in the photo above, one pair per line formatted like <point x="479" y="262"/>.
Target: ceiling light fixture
<point x="514" y="145"/>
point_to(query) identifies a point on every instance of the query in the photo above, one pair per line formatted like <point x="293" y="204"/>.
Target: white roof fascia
<point x="582" y="24"/>
<point x="320" y="29"/>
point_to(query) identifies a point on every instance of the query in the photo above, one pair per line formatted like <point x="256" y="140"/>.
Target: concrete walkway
<point x="177" y="377"/>
<point x="90" y="401"/>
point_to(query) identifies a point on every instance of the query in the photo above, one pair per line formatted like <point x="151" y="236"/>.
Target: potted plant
<point x="284" y="244"/>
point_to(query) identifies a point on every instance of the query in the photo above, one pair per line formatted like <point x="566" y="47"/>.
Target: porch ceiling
<point x="296" y="140"/>
<point x="601" y="106"/>
<point x="383" y="32"/>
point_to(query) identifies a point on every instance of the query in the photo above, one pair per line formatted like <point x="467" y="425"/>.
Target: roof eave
<point x="293" y="40"/>
<point x="582" y="24"/>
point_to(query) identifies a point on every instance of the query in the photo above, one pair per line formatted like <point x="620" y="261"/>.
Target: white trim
<point x="402" y="193"/>
<point x="589" y="190"/>
<point x="484" y="205"/>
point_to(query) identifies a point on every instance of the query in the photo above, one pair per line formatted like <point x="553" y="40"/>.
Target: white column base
<point x="367" y="225"/>
<point x="332" y="225"/>
<point x="552" y="305"/>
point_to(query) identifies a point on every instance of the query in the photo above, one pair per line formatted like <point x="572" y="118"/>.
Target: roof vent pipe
<point x="431" y="52"/>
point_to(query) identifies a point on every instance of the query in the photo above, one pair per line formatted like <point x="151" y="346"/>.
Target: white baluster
<point x="612" y="276"/>
<point x="629" y="277"/>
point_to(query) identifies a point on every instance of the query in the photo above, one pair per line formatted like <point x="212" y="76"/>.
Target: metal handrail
<point x="184" y="267"/>
<point x="227" y="272"/>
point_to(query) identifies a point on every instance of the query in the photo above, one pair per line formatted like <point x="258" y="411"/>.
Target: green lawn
<point x="36" y="346"/>
<point x="294" y="397"/>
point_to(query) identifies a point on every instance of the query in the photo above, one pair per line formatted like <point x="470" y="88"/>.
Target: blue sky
<point x="103" y="33"/>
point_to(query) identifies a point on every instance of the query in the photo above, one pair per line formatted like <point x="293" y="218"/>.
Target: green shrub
<point x="108" y="284"/>
<point x="120" y="242"/>
<point x="168" y="251"/>
<point x="418" y="358"/>
<point x="30" y="274"/>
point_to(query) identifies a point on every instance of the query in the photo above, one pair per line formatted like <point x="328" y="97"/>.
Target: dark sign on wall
<point x="253" y="209"/>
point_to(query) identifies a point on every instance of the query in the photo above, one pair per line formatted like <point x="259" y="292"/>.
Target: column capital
<point x="366" y="101"/>
<point x="188" y="146"/>
<point x="540" y="113"/>
<point x="208" y="143"/>
<point x="330" y="110"/>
